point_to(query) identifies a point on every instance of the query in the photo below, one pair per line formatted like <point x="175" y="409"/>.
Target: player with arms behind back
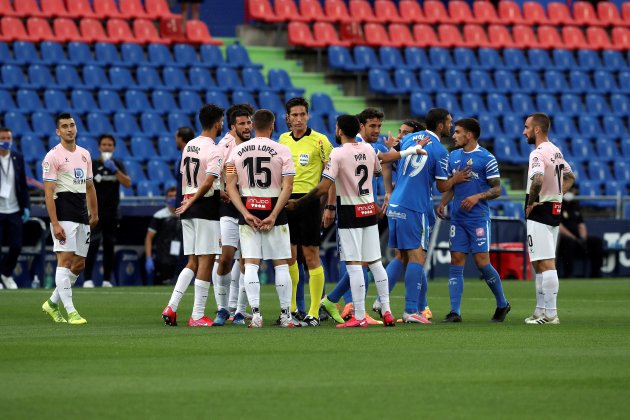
<point x="259" y="182"/>
<point x="548" y="178"/>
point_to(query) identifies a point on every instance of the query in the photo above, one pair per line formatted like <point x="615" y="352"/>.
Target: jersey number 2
<point x="362" y="171"/>
<point x="255" y="167"/>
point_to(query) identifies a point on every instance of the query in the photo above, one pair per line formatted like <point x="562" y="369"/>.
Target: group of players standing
<point x="261" y="199"/>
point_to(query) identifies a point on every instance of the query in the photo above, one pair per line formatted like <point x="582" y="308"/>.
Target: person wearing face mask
<point x="163" y="241"/>
<point x="14" y="206"/>
<point x="109" y="174"/>
<point x="575" y="243"/>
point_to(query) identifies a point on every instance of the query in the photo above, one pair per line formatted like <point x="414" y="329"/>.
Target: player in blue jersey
<point x="411" y="205"/>
<point x="470" y="215"/>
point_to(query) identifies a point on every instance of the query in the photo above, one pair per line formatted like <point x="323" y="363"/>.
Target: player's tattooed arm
<point x="494" y="191"/>
<point x="534" y="189"/>
<point x="568" y="179"/>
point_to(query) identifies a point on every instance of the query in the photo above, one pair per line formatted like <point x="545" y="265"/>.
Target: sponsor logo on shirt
<point x="556" y="208"/>
<point x="480" y="232"/>
<point x="79" y="176"/>
<point x="258" y="203"/>
<point x="365" y="210"/>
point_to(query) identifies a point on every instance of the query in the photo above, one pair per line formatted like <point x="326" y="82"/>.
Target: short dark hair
<point x="185" y="133"/>
<point x="5" y="129"/>
<point x="349" y="125"/>
<point x="415" y="125"/>
<point x="370" y="113"/>
<point x="106" y="136"/>
<point x="541" y="120"/>
<point x="263" y="119"/>
<point x="62" y="116"/>
<point x="436" y="116"/>
<point x="239" y="110"/>
<point x="297" y="101"/>
<point x="171" y="188"/>
<point x="471" y="125"/>
<point x="209" y="115"/>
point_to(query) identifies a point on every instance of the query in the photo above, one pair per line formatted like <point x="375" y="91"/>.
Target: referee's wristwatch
<point x="330" y="207"/>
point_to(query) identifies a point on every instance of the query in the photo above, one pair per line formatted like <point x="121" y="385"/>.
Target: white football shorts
<point x="77" y="238"/>
<point x="272" y="245"/>
<point x="359" y="244"/>
<point x="542" y="240"/>
<point x="201" y="237"/>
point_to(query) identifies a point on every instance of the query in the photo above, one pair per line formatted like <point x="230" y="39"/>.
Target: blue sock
<point x="456" y="287"/>
<point x="412" y="286"/>
<point x="299" y="295"/>
<point x="422" y="299"/>
<point x="493" y="281"/>
<point x="342" y="287"/>
<point x="394" y="271"/>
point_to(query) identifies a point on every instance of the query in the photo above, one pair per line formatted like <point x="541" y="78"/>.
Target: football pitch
<point x="126" y="364"/>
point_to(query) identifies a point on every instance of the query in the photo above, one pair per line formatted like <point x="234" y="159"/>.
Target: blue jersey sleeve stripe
<point x="493" y="176"/>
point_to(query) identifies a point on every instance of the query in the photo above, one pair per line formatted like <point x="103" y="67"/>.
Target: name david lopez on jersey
<point x="260" y="147"/>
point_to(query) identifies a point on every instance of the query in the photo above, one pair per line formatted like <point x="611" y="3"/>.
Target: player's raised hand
<point x="463" y="175"/>
<point x="391" y="141"/>
<point x="59" y="233"/>
<point x="425" y="140"/>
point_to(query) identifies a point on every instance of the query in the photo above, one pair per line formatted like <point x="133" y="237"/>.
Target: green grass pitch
<point x="126" y="364"/>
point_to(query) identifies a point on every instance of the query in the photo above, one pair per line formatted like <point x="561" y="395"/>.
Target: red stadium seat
<point x="534" y="13"/>
<point x="92" y="31"/>
<point x="524" y="37"/>
<point x="287" y="11"/>
<point x="55" y="8"/>
<point x="485" y="12"/>
<point x="609" y="14"/>
<point x="475" y="36"/>
<point x="400" y="34"/>
<point x="435" y="12"/>
<point x="411" y="9"/>
<point x="158" y="9"/>
<point x="362" y="11"/>
<point x="621" y="38"/>
<point x="584" y="14"/>
<point x="146" y="33"/>
<point x="450" y="36"/>
<point x="106" y="8"/>
<point x="597" y="38"/>
<point x="28" y="8"/>
<point x="386" y="11"/>
<point x="573" y="38"/>
<point x="261" y="10"/>
<point x="325" y="32"/>
<point x="510" y="13"/>
<point x="548" y="37"/>
<point x="300" y="34"/>
<point x="82" y="9"/>
<point x="119" y="31"/>
<point x="425" y="36"/>
<point x="197" y="33"/>
<point x="337" y="10"/>
<point x="460" y="12"/>
<point x="559" y="14"/>
<point x="499" y="37"/>
<point x="39" y="29"/>
<point x="6" y="9"/>
<point x="66" y="30"/>
<point x="132" y="9"/>
<point x="376" y="36"/>
<point x="312" y="11"/>
<point x="12" y="29"/>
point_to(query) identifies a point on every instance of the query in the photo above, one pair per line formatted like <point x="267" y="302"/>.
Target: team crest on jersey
<point x="304" y="158"/>
<point x="470" y="162"/>
<point x="480" y="232"/>
<point x="46" y="166"/>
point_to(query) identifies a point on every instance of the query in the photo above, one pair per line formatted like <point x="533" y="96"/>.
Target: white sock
<point x="183" y="281"/>
<point x="64" y="288"/>
<point x="550" y="286"/>
<point x="357" y="286"/>
<point x="540" y="298"/>
<point x="382" y="285"/>
<point x="215" y="280"/>
<point x="241" y="304"/>
<point x="73" y="277"/>
<point x="54" y="298"/>
<point x="252" y="285"/>
<point x="234" y="275"/>
<point x="221" y="290"/>
<point x="283" y="285"/>
<point x="201" y="297"/>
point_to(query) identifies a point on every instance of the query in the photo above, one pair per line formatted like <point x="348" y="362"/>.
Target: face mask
<point x="106" y="155"/>
<point x="172" y="202"/>
<point x="5" y="145"/>
<point x="569" y="196"/>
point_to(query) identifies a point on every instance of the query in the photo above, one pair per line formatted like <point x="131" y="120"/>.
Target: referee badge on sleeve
<point x="304" y="158"/>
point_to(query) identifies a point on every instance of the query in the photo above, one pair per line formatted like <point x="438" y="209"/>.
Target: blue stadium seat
<point x="174" y="79"/>
<point x="280" y="79"/>
<point x="25" y="52"/>
<point x="179" y="119"/>
<point x="581" y="150"/>
<point x="448" y="101"/>
<point x="121" y="78"/>
<point x="380" y="81"/>
<point x="152" y="124"/>
<point x="133" y="54"/>
<point x="18" y="123"/>
<point x="512" y="209"/>
<point x="392" y="59"/>
<point x="98" y="125"/>
<point x="563" y="59"/>
<point x="604" y="82"/>
<point x="316" y="122"/>
<point x="201" y="80"/>
<point x="522" y="104"/>
<point x="142" y="149"/>
<point x="455" y="81"/>
<point x="125" y="124"/>
<point x="28" y="100"/>
<point x="530" y="82"/>
<point x="32" y="148"/>
<point x="498" y="104"/>
<point x="464" y="59"/>
<point x="416" y="58"/>
<point x="473" y="106"/>
<point x="322" y="103"/>
<point x="624" y="81"/>
<point x="39" y="77"/>
<point x="211" y="57"/>
<point x="52" y="53"/>
<point x="339" y="58"/>
<point x="148" y="189"/>
<point x="6" y="101"/>
<point x="615" y="128"/>
<point x="615" y="188"/>
<point x="589" y="126"/>
<point x="489" y="59"/>
<point x="580" y="82"/>
<point x="505" y="82"/>
<point x="366" y="58"/>
<point x="481" y="82"/>
<point x="55" y="101"/>
<point x="514" y="59"/>
<point x="109" y="101"/>
<point x="490" y="127"/>
<point x="94" y="77"/>
<point x="588" y="60"/>
<point x="106" y="54"/>
<point x="148" y="78"/>
<point x="571" y="104"/>
<point x="440" y="58"/>
<point x="420" y="103"/>
<point x="186" y="55"/>
<point x="620" y="104"/>
<point x="405" y="80"/>
<point x="217" y="98"/>
<point x="127" y="192"/>
<point x="431" y="81"/>
<point x="597" y="105"/>
<point x="87" y="142"/>
<point x="137" y="101"/>
<point x="254" y="81"/>
<point x="547" y="104"/>
<point x="271" y="100"/>
<point x="79" y="53"/>
<point x="598" y="171"/>
<point x="621" y="170"/>
<point x="563" y="126"/>
<point x="513" y="125"/>
<point x="613" y="60"/>
<point x="167" y="148"/>
<point x="555" y="82"/>
<point x="539" y="59"/>
<point x="163" y="101"/>
<point x="189" y="101"/>
<point x="229" y="80"/>
<point x="12" y="77"/>
<point x="243" y="97"/>
<point x="606" y="149"/>
<point x="505" y="151"/>
<point x="5" y="54"/>
<point x="590" y="188"/>
<point x="43" y="123"/>
<point x="160" y="56"/>
<point x="67" y="77"/>
<point x="159" y="171"/>
<point x="238" y="56"/>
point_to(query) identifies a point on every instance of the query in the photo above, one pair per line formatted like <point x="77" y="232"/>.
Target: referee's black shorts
<point x="305" y="223"/>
